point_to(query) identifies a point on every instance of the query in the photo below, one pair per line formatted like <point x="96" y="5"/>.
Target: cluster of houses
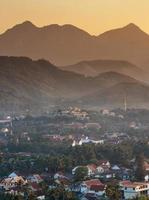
<point x="76" y="112"/>
<point x="104" y="171"/>
<point x="17" y="185"/>
<point x="94" y="169"/>
<point x="92" y="187"/>
<point x="109" y="138"/>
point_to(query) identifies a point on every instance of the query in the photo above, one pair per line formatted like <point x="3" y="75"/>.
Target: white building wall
<point x="130" y="194"/>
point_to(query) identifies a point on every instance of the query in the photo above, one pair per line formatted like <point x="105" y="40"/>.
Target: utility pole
<point x="125" y="103"/>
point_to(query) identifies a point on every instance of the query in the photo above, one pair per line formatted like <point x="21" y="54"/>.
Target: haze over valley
<point x="89" y="71"/>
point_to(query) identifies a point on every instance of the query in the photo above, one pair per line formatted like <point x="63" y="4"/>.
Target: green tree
<point x="140" y="170"/>
<point x="113" y="192"/>
<point x="80" y="173"/>
<point x="59" y="193"/>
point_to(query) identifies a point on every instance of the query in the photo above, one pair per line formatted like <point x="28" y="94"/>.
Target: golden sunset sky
<point x="94" y="16"/>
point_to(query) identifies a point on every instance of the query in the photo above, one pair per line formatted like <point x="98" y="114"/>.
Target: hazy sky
<point x="94" y="16"/>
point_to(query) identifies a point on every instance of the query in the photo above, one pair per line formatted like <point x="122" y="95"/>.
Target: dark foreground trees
<point x="140" y="169"/>
<point x="141" y="198"/>
<point x="60" y="194"/>
<point x="80" y="174"/>
<point x="113" y="192"/>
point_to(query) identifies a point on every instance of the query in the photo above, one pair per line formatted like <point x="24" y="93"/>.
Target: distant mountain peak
<point x="125" y="32"/>
<point x="26" y="24"/>
<point x="65" y="28"/>
<point x="132" y="25"/>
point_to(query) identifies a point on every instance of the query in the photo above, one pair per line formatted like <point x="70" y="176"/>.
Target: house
<point x="100" y="170"/>
<point x="35" y="178"/>
<point x="13" y="175"/>
<point x="115" y="168"/>
<point x="105" y="164"/>
<point x="91" y="169"/>
<point x="76" y="112"/>
<point x="12" y="181"/>
<point x="93" y="186"/>
<point x="86" y="140"/>
<point x="131" y="190"/>
<point x="60" y="175"/>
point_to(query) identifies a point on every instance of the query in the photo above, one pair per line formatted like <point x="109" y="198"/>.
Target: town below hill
<point x="75" y="154"/>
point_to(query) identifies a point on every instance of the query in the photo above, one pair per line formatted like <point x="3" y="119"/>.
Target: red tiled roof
<point x="132" y="184"/>
<point x="92" y="167"/>
<point x="125" y="182"/>
<point x="97" y="187"/>
<point x="94" y="182"/>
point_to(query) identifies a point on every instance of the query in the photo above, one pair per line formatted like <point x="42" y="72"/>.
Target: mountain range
<point x="39" y="85"/>
<point x="96" y="67"/>
<point x="67" y="44"/>
<point x="64" y="65"/>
